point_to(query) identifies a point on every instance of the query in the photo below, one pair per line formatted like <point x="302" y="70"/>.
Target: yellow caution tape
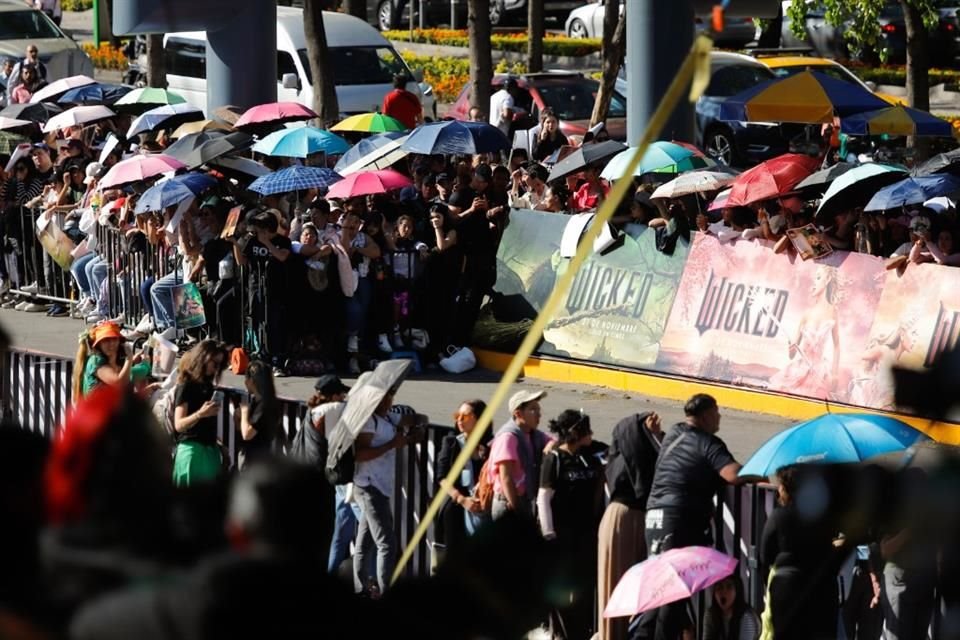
<point x="693" y="62"/>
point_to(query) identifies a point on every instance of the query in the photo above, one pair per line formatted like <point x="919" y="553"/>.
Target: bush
<point x="447" y="76"/>
<point x="897" y="75"/>
<point x="515" y="42"/>
<point x="76" y="5"/>
<point x="105" y="56"/>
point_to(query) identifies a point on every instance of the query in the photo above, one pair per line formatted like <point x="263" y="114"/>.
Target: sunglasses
<point x="458" y="415"/>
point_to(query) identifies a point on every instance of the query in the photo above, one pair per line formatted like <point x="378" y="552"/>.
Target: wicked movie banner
<point x="748" y="316"/>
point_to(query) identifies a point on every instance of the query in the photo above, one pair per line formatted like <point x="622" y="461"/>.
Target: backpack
<point x="298" y="446"/>
<point x="484" y="490"/>
<point x="342" y="471"/>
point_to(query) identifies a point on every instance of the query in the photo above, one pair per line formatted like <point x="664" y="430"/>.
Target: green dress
<point x="95" y="360"/>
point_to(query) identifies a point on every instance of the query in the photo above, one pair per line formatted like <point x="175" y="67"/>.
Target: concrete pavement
<point x="438" y="394"/>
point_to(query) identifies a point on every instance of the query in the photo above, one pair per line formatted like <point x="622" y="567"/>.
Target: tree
<point x="612" y="51"/>
<point x="324" y="92"/>
<point x="859" y="19"/>
<point x="156" y="69"/>
<point x="535" y="36"/>
<point x="481" y="71"/>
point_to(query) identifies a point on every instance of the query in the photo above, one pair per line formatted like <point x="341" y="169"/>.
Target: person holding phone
<point x="197" y="404"/>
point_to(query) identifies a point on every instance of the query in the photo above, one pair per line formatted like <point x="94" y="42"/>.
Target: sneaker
<point x="93" y="318"/>
<point x="353" y="366"/>
<point x="30" y="288"/>
<point x="58" y="311"/>
<point x="145" y="326"/>
<point x="22" y="306"/>
<point x="34" y="307"/>
<point x="419" y="339"/>
<point x="4" y="287"/>
<point x="384" y="344"/>
<point x="353" y="345"/>
<point x="8" y="304"/>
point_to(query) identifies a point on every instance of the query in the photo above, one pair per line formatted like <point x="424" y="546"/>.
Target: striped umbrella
<point x="369" y="123"/>
<point x="296" y="178"/>
<point x="301" y="142"/>
<point x="895" y="121"/>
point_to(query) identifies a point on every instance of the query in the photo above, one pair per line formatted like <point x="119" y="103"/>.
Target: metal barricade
<point x="130" y="263"/>
<point x="35" y="265"/>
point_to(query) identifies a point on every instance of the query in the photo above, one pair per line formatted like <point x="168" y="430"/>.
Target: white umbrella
<point x="12" y="123"/>
<point x="77" y="116"/>
<point x="693" y="182"/>
<point x="168" y="116"/>
<point x="57" y="87"/>
<point x="380" y="158"/>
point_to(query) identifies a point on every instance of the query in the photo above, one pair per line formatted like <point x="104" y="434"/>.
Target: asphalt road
<point x="438" y="394"/>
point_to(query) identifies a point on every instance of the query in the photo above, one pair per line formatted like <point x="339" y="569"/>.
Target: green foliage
<point x="505" y="66"/>
<point x="897" y="75"/>
<point x="76" y="5"/>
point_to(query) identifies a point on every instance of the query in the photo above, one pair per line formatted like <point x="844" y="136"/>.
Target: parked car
<point x="587" y="22"/>
<point x="20" y="24"/>
<point x="788" y="65"/>
<point x="395" y="14"/>
<point x="570" y="95"/>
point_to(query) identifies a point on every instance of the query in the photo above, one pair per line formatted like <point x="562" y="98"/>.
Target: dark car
<point x="737" y="143"/>
<point x="570" y="95"/>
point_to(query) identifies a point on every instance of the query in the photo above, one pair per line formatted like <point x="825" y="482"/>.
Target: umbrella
<point x="897" y="121"/>
<point x="369" y="123"/>
<point x="77" y="116"/>
<point x="199" y="126"/>
<point x="274" y="113"/>
<point x="585" y="155"/>
<point x="771" y="179"/>
<point x="162" y="195"/>
<point x="241" y="167"/>
<point x="667" y="577"/>
<point x="693" y="182"/>
<point x="854" y="188"/>
<point x="36" y="112"/>
<point x="832" y="438"/>
<point x="940" y="204"/>
<point x="228" y="113"/>
<point x="301" y="142"/>
<point x="296" y="178"/>
<point x="660" y="157"/>
<point x="808" y="97"/>
<point x="380" y="151"/>
<point x="13" y="123"/>
<point x="720" y="201"/>
<point x="200" y="148"/>
<point x="914" y="190"/>
<point x="196" y="182"/>
<point x="53" y="90"/>
<point x="367" y="182"/>
<point x="455" y="136"/>
<point x="98" y="93"/>
<point x="169" y="116"/>
<point x="363" y="399"/>
<point x="948" y="162"/>
<point x="927" y="455"/>
<point x="139" y="168"/>
<point x="818" y="181"/>
<point x="146" y="98"/>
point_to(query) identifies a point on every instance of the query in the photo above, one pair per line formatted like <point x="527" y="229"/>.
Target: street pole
<point x="96" y="23"/>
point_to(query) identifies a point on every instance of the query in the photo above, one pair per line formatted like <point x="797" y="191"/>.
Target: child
<point x="405" y="253"/>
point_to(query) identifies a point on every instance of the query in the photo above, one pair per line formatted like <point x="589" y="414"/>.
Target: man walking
<point x="516" y="455"/>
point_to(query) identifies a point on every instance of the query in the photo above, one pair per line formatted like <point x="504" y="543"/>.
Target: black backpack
<point x="342" y="471"/>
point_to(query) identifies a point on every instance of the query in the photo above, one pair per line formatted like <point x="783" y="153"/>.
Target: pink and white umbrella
<point x="58" y="87"/>
<point x="78" y="116"/>
<point x="274" y="113"/>
<point x="671" y="576"/>
<point x="365" y="183"/>
<point x="139" y="168"/>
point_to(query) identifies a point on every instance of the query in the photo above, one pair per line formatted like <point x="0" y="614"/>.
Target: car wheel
<point x="720" y="145"/>
<point x="496" y="12"/>
<point x="385" y="15"/>
<point x="578" y="29"/>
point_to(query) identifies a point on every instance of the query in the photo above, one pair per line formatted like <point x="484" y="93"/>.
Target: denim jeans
<point x="145" y="286"/>
<point x="161" y="294"/>
<point x="358" y="307"/>
<point x="97" y="271"/>
<point x="79" y="271"/>
<point x="376" y="529"/>
<point x="346" y="517"/>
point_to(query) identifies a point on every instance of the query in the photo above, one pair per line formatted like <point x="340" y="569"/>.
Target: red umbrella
<point x="274" y="113"/>
<point x="139" y="168"/>
<point x="367" y="182"/>
<point x="771" y="179"/>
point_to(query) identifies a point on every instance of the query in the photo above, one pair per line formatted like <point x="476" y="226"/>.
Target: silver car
<point x="21" y="25"/>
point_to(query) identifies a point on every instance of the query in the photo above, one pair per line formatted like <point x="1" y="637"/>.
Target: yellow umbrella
<point x="198" y="126"/>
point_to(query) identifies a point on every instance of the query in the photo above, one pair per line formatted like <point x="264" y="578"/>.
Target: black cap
<point x="329" y="384"/>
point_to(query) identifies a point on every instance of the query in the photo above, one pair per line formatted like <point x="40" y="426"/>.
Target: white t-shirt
<point x="379" y="472"/>
<point x="498" y="101"/>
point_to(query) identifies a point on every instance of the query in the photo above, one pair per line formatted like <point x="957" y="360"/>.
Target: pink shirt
<point x="506" y="448"/>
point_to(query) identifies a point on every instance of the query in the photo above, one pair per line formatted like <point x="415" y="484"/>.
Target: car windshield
<point x="574" y="100"/>
<point x="26" y="25"/>
<point x="360" y="65"/>
<point x="731" y="79"/>
<point x="834" y="71"/>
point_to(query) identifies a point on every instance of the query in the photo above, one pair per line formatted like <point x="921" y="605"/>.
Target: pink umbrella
<point x="720" y="201"/>
<point x="58" y="87"/>
<point x="274" y="113"/>
<point x="139" y="168"/>
<point x="367" y="182"/>
<point x="673" y="575"/>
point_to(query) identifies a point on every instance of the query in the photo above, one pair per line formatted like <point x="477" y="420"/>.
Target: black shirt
<point x="687" y="476"/>
<point x="577" y="499"/>
<point x="194" y="394"/>
<point x="265" y="419"/>
<point x="473" y="232"/>
<point x="264" y="262"/>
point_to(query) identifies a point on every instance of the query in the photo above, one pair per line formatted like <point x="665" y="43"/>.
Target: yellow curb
<point x="672" y="388"/>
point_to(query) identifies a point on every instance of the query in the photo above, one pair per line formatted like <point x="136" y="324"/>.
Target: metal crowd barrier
<point x="128" y="266"/>
<point x="34" y="265"/>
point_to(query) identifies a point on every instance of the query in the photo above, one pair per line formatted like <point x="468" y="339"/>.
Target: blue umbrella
<point x="296" y="178"/>
<point x="365" y="147"/>
<point x="98" y="93"/>
<point x="455" y="136"/>
<point x="169" y="116"/>
<point x="832" y="438"/>
<point x="916" y="190"/>
<point x="301" y="142"/>
<point x="162" y="195"/>
<point x="196" y="182"/>
<point x="896" y="121"/>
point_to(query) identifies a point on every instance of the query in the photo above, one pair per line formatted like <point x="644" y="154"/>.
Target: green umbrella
<point x="140" y="100"/>
<point x="660" y="157"/>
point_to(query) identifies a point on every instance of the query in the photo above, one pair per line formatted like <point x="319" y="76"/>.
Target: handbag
<point x="458" y="360"/>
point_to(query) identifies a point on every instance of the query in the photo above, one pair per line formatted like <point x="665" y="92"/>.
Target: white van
<point x="362" y="60"/>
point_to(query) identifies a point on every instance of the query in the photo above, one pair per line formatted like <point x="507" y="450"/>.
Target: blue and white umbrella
<point x="163" y="195"/>
<point x="915" y="190"/>
<point x="196" y="182"/>
<point x="168" y="116"/>
<point x="455" y="136"/>
<point x="99" y="93"/>
<point x="365" y="147"/>
<point x="301" y="142"/>
<point x="296" y="178"/>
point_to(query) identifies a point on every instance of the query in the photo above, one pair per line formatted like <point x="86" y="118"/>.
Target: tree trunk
<point x="481" y="71"/>
<point x="918" y="84"/>
<point x="613" y="49"/>
<point x="535" y="36"/>
<point x="356" y="8"/>
<point x="156" y="69"/>
<point x="324" y="93"/>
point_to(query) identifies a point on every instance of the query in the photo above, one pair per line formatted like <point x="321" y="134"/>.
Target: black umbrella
<point x="818" y="181"/>
<point x="36" y="111"/>
<point x="588" y="154"/>
<point x="196" y="149"/>
<point x="948" y="162"/>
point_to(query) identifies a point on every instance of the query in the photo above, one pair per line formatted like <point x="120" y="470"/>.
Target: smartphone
<point x="217" y="397"/>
